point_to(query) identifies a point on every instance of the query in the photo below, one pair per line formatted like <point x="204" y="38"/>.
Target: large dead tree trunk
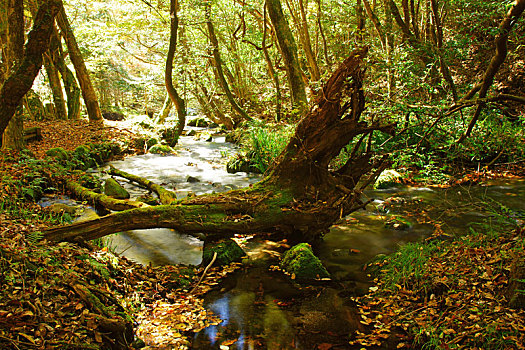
<point x="299" y="196"/>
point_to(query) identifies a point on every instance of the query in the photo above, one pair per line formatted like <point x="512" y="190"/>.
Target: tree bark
<point x="165" y="110"/>
<point x="300" y="196"/>
<point x="217" y="63"/>
<point x="20" y="81"/>
<point x="88" y="91"/>
<point x="178" y="101"/>
<point x="13" y="136"/>
<point x="73" y="91"/>
<point x="289" y="52"/>
<point x="56" y="87"/>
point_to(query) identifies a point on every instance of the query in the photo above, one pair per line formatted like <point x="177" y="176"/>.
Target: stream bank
<point x="260" y="307"/>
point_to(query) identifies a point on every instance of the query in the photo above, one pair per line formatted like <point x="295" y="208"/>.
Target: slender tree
<point x="218" y="65"/>
<point x="512" y="17"/>
<point x="289" y="52"/>
<point x="88" y="91"/>
<point x="178" y="102"/>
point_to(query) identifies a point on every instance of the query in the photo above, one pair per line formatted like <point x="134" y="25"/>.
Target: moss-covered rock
<point x="58" y="153"/>
<point x="161" y="149"/>
<point x="300" y="261"/>
<point x="388" y="178"/>
<point x="60" y="208"/>
<point x="227" y="252"/>
<point x="113" y="189"/>
<point x="235" y="136"/>
<point x="199" y="122"/>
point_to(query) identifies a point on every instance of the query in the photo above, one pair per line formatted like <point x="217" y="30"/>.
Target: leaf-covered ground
<point x="446" y="295"/>
<point x="61" y="296"/>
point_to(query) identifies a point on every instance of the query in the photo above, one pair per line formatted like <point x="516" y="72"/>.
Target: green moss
<point x="301" y="262"/>
<point x="161" y="149"/>
<point x="199" y="122"/>
<point x="113" y="189"/>
<point x="91" y="182"/>
<point x="152" y="142"/>
<point x="227" y="252"/>
<point x="58" y="153"/>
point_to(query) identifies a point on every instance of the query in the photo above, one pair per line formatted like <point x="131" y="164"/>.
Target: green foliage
<point x="407" y="267"/>
<point x="264" y="142"/>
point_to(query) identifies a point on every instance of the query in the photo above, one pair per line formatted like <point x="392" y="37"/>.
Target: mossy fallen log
<point x="165" y="196"/>
<point x="300" y="196"/>
<point x="101" y="199"/>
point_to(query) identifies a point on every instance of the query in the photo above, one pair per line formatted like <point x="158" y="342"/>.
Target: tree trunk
<point x="273" y="73"/>
<point x="73" y="91"/>
<point x="178" y="102"/>
<point x="300" y="195"/>
<point x="217" y="63"/>
<point x="50" y="59"/>
<point x="165" y="110"/>
<point x="20" y="81"/>
<point x="88" y="91"/>
<point x="289" y="52"/>
<point x="13" y="136"/>
<point x="56" y="87"/>
<point x="208" y="101"/>
<point x="304" y="37"/>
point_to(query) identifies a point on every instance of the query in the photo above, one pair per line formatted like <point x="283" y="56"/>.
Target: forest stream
<point x="261" y="308"/>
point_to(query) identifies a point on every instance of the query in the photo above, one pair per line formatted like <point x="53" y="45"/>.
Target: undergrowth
<point x="441" y="294"/>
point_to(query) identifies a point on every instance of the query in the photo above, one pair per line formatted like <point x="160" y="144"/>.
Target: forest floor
<point x="41" y="309"/>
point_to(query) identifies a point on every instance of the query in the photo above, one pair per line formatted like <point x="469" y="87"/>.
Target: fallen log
<point x="33" y="134"/>
<point x="301" y="196"/>
<point x="101" y="199"/>
<point x="165" y="196"/>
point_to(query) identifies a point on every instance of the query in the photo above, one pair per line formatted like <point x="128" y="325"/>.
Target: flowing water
<point x="263" y="309"/>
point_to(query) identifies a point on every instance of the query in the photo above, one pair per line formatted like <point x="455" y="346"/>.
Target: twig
<point x="204" y="273"/>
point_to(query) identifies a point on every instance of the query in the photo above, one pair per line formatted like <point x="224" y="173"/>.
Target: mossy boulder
<point x="199" y="122"/>
<point x="60" y="208"/>
<point x="300" y="262"/>
<point x="227" y="252"/>
<point x="398" y="223"/>
<point x="387" y="179"/>
<point x="161" y="149"/>
<point x="58" y="153"/>
<point x="113" y="189"/>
